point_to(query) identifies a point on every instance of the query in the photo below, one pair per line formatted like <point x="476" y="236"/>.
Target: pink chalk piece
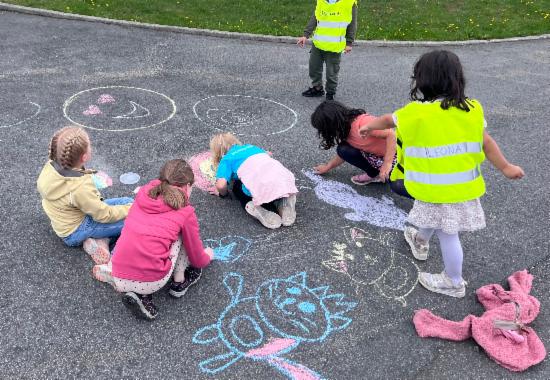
<point x="92" y="110"/>
<point x="136" y="190"/>
<point x="105" y="98"/>
<point x="203" y="178"/>
<point x="274" y="346"/>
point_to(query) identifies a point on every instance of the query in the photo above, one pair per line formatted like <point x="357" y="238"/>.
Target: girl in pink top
<point x="338" y="125"/>
<point x="160" y="240"/>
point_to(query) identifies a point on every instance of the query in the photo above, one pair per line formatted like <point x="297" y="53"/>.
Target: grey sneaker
<point x="267" y="218"/>
<point x="287" y="210"/>
<point x="441" y="283"/>
<point x="419" y="250"/>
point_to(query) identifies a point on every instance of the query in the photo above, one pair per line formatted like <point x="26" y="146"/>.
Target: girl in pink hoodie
<point x="149" y="251"/>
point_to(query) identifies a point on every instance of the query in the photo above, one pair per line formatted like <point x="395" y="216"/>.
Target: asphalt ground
<point x="58" y="322"/>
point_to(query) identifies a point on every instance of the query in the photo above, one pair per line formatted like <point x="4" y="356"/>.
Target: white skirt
<point x="449" y="217"/>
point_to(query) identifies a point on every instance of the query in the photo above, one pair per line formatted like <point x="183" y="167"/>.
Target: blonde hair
<point x="173" y="173"/>
<point x="68" y="145"/>
<point x="220" y="145"/>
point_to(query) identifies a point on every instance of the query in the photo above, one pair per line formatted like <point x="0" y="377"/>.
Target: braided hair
<point x="68" y="145"/>
<point x="173" y="174"/>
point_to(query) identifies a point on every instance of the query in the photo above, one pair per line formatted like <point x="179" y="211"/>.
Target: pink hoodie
<point x="151" y="227"/>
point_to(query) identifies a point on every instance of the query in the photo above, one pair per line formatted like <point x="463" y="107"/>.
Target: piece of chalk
<point x="129" y="178"/>
<point x="137" y="189"/>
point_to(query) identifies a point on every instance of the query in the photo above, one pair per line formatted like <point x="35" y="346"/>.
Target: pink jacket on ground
<point x="513" y="345"/>
<point x="142" y="252"/>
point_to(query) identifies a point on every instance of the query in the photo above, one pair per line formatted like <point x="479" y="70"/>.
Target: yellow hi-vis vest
<point x="439" y="152"/>
<point x="332" y="23"/>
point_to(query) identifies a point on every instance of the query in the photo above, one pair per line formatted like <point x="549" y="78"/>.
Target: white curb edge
<point x="248" y="36"/>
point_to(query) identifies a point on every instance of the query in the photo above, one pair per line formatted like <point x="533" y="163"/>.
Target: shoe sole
<point x="101" y="273"/>
<point x="363" y="183"/>
<point x="175" y="294"/>
<point x="263" y="216"/>
<point x="441" y="291"/>
<point x="413" y="249"/>
<point x="133" y="304"/>
<point x="99" y="255"/>
<point x="288" y="220"/>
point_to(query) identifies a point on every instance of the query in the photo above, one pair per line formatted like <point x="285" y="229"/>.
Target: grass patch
<point x="378" y="19"/>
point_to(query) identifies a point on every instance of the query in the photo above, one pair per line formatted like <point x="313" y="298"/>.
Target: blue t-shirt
<point x="233" y="159"/>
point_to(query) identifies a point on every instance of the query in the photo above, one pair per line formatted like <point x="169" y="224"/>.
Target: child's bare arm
<point x="495" y="156"/>
<point x="325" y="168"/>
<point x="380" y="123"/>
<point x="221" y="187"/>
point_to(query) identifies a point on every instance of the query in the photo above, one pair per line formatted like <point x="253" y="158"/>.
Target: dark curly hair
<point x="439" y="74"/>
<point x="332" y="120"/>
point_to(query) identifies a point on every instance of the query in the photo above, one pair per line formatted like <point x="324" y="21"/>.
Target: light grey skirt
<point x="449" y="217"/>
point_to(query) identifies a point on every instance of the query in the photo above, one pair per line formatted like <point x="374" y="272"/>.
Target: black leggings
<point x="238" y="192"/>
<point x="355" y="157"/>
<point x="398" y="187"/>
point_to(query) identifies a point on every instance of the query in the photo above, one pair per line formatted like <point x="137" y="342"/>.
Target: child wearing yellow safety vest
<point x="332" y="30"/>
<point x="441" y="142"/>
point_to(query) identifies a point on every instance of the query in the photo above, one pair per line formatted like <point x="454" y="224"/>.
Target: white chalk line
<point x="250" y="97"/>
<point x="38" y="109"/>
<point x="69" y="101"/>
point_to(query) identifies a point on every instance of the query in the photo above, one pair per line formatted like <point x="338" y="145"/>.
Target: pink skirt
<point x="266" y="179"/>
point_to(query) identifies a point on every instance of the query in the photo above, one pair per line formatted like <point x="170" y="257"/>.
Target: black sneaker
<point x="313" y="92"/>
<point x="192" y="275"/>
<point x="141" y="305"/>
<point x="330" y="96"/>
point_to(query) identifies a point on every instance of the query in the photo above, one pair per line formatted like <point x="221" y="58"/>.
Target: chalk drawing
<point x="370" y="259"/>
<point x="102" y="180"/>
<point x="205" y="176"/>
<point x="283" y="313"/>
<point x="378" y="212"/>
<point x="245" y="115"/>
<point x="119" y="108"/>
<point x="7" y="122"/>
<point x="229" y="248"/>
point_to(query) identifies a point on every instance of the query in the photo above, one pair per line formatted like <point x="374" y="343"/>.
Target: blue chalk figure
<point x="282" y="314"/>
<point x="229" y="248"/>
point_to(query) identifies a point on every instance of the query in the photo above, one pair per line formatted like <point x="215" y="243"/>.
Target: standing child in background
<point x="77" y="212"/>
<point x="441" y="142"/>
<point x="339" y="125"/>
<point x="333" y="25"/>
<point x="149" y="251"/>
<point x="265" y="188"/>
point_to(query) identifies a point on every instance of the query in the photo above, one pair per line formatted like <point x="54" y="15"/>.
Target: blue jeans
<point x="89" y="228"/>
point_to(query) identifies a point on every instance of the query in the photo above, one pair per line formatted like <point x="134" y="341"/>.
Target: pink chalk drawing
<point x="205" y="176"/>
<point x="92" y="110"/>
<point x="102" y="180"/>
<point x="370" y="260"/>
<point x="105" y="98"/>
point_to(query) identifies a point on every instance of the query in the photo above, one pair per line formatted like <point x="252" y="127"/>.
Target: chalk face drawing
<point x="229" y="248"/>
<point x="283" y="313"/>
<point x="378" y="212"/>
<point x="245" y="115"/>
<point x="102" y="180"/>
<point x="203" y="169"/>
<point x="370" y="260"/>
<point x="119" y="108"/>
<point x="14" y="113"/>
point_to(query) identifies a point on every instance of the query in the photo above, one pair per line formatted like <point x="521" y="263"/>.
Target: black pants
<point x="238" y="192"/>
<point x="354" y="156"/>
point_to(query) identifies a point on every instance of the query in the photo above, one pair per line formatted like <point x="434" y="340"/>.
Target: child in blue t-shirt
<point x="265" y="188"/>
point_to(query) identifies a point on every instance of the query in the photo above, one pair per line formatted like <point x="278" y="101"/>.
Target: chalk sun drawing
<point x="378" y="212"/>
<point x="29" y="113"/>
<point x="229" y="248"/>
<point x="283" y="313"/>
<point x="119" y="108"/>
<point x="245" y="115"/>
<point x="203" y="169"/>
<point x="370" y="260"/>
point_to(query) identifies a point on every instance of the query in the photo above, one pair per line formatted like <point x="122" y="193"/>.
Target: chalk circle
<point x="17" y="113"/>
<point x="129" y="178"/>
<point x="245" y="115"/>
<point x="119" y="108"/>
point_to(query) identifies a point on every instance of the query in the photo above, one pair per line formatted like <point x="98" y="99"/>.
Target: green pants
<point x="332" y="61"/>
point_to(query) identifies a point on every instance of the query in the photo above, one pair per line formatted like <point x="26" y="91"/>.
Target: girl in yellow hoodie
<point x="77" y="212"/>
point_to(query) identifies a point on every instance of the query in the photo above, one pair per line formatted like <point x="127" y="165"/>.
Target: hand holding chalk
<point x="321" y="169"/>
<point x="210" y="252"/>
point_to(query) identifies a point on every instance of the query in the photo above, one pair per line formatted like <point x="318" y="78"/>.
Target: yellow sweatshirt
<point x="67" y="200"/>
